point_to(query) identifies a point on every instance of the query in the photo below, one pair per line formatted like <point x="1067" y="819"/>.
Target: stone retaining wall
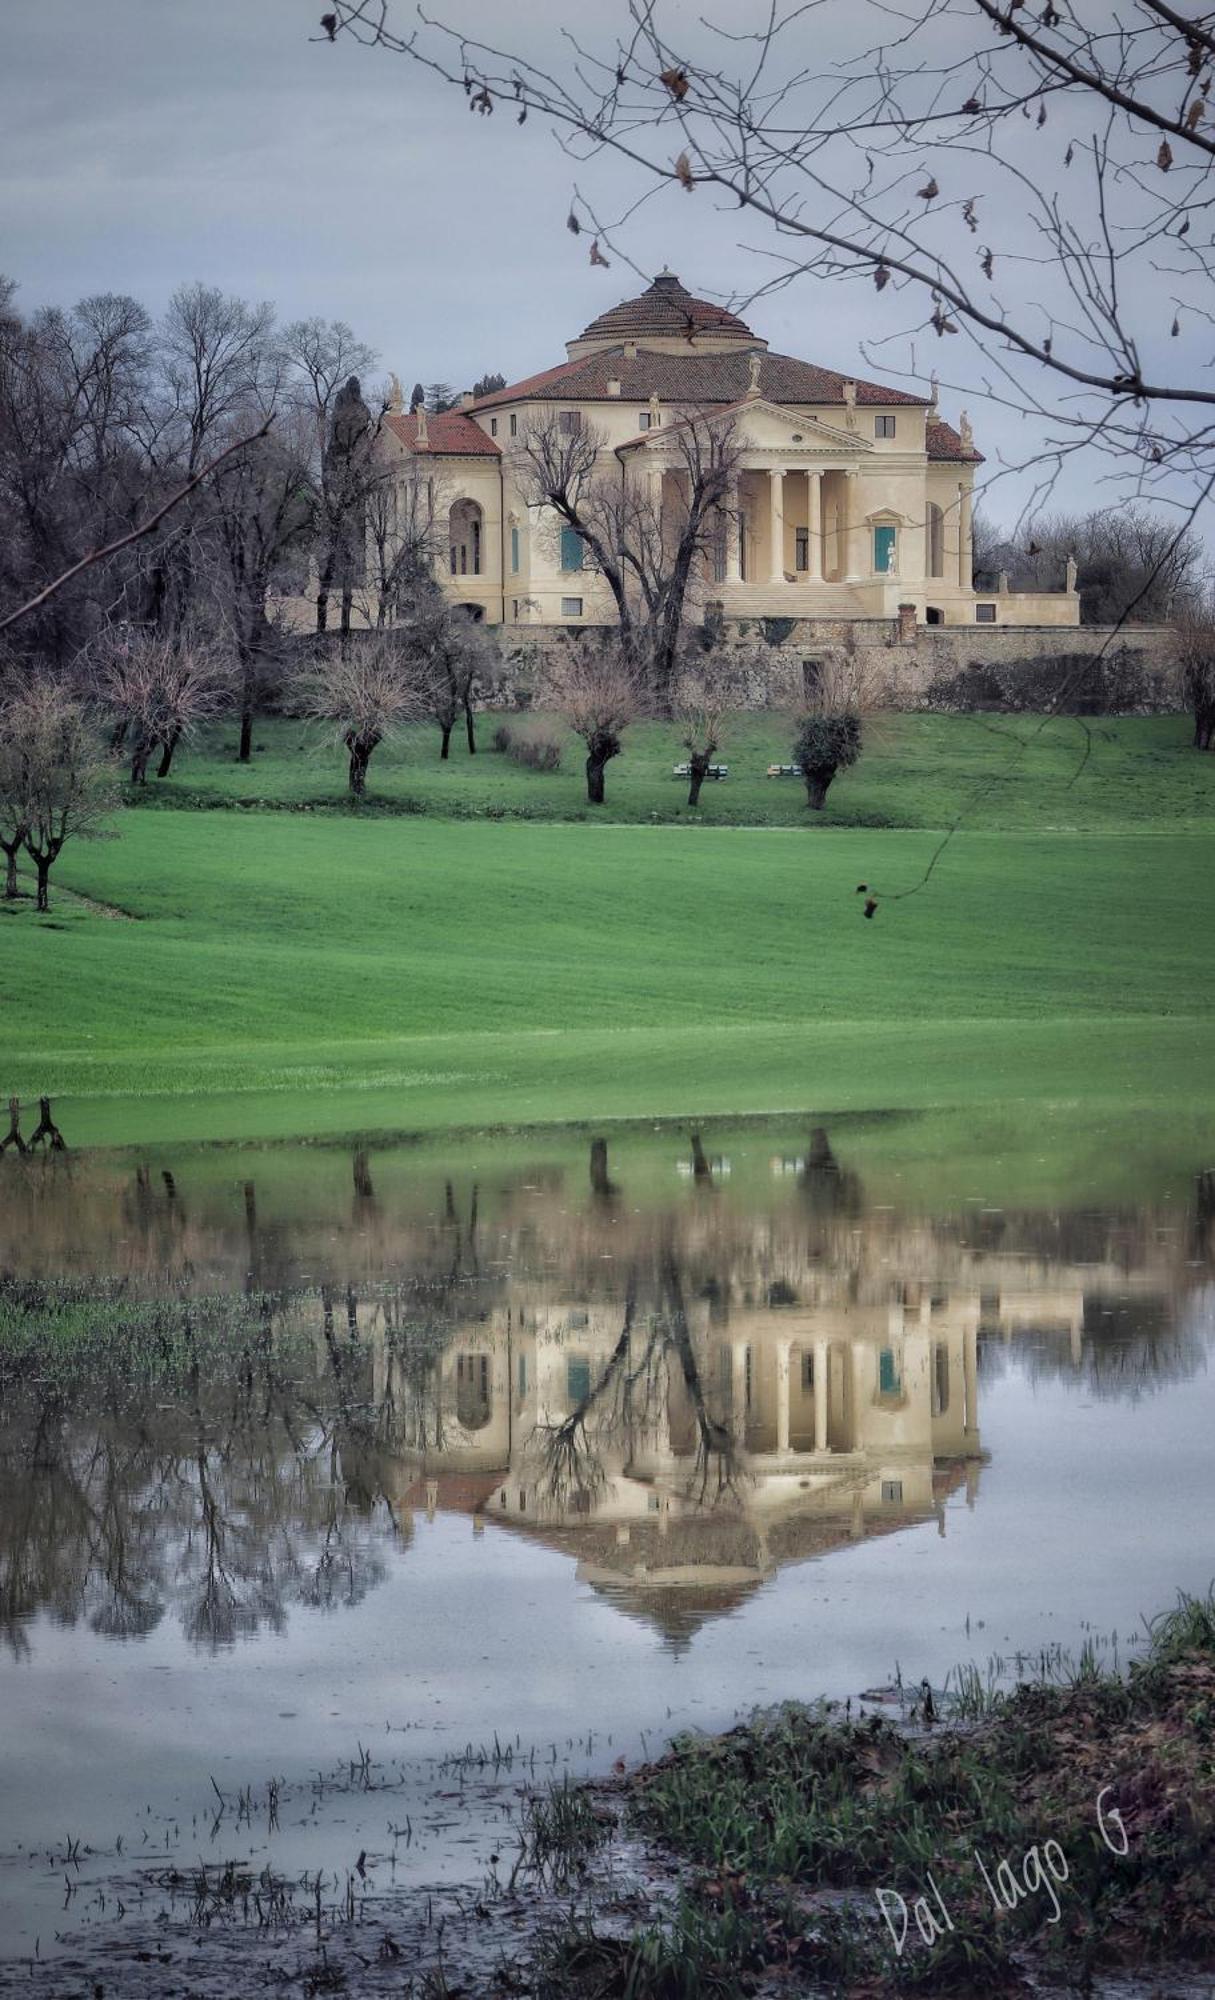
<point x="1089" y="669"/>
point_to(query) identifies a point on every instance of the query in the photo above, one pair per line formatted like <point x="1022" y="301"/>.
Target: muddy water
<point x="344" y="1492"/>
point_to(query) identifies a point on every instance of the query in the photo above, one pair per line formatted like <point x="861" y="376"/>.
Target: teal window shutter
<point x="883" y="549"/>
<point x="514" y="550"/>
<point x="571" y="549"/>
<point x="889" y="1380"/>
<point x="577" y="1379"/>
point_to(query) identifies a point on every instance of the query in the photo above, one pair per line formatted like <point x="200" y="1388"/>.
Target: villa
<point x="852" y="500"/>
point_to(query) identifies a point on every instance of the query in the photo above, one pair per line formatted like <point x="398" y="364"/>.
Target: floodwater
<point x="345" y="1492"/>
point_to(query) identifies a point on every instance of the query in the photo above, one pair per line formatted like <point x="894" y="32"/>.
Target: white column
<point x="738" y="1390"/>
<point x="776" y="525"/>
<point x="782" y="1396"/>
<point x="814" y="525"/>
<point x="733" y="572"/>
<point x="821" y="1390"/>
<point x="970" y="1379"/>
<point x="852" y="559"/>
<point x="964" y="558"/>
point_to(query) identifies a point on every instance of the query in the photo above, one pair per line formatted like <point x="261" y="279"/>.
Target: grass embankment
<point x="1014" y="771"/>
<point x="233" y="975"/>
<point x="1071" y="1829"/>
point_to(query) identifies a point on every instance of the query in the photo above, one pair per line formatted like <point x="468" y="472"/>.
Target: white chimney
<point x="613" y="387"/>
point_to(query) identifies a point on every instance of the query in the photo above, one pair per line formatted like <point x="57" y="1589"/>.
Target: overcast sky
<point x="147" y="142"/>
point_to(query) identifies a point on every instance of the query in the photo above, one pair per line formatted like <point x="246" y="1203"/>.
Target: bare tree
<point x="329" y="361"/>
<point x="1028" y="184"/>
<point x="14" y="798"/>
<point x="160" y="687"/>
<point x="651" y="530"/>
<point x="1196" y="653"/>
<point x="702" y="701"/>
<point x="446" y="652"/>
<point x="367" y="691"/>
<point x="1130" y="562"/>
<point x="65" y="778"/>
<point x="600" y="691"/>
<point x="405" y="532"/>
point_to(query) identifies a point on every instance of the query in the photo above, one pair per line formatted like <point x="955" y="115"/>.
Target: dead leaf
<point x="329" y="23"/>
<point x="1185" y="227"/>
<point x="683" y="172"/>
<point x="1070" y="154"/>
<point x="881" y="277"/>
<point x="676" y="81"/>
<point x="1041" y="115"/>
<point x="987" y="263"/>
<point x="1195" y="115"/>
<point x="1164" y="158"/>
<point x="968" y="215"/>
<point x="1175" y="329"/>
<point x="572" y="224"/>
<point x="597" y="256"/>
<point x="929" y="191"/>
<point x="972" y="105"/>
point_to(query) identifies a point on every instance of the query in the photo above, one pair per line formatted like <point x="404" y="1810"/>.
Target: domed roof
<point x="667" y="312"/>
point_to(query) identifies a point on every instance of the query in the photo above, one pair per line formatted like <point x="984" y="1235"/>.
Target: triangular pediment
<point x="783" y="431"/>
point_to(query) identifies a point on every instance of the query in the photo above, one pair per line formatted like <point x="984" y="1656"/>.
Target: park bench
<point x="784" y="770"/>
<point x="714" y="771"/>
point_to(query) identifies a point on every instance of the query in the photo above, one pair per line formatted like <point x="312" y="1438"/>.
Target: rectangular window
<point x="515" y="612"/>
<point x="572" y="549"/>
<point x="883" y="427"/>
<point x="889" y="1379"/>
<point x="892" y="1492"/>
<point x="801" y="548"/>
<point x="514" y="550"/>
<point x="807" y="1373"/>
<point x="571" y="607"/>
<point x="493" y="427"/>
<point x="455" y="560"/>
<point x="577" y="1380"/>
<point x="569" y="423"/>
<point x="985" y="614"/>
<point x="523" y="1374"/>
<point x="514" y="424"/>
<point x="643" y="420"/>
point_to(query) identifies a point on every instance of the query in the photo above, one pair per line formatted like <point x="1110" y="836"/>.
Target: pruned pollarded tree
<point x="160" y="687"/>
<point x="366" y="691"/>
<point x="1195" y="642"/>
<point x="702" y="700"/>
<point x="830" y="731"/>
<point x="61" y="778"/>
<point x="600" y="690"/>
<point x="652" y="523"/>
<point x="1025" y="188"/>
<point x="406" y="533"/>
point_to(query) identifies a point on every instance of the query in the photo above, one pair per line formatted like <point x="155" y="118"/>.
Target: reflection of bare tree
<point x="828" y="1189"/>
<point x="603" y="1187"/>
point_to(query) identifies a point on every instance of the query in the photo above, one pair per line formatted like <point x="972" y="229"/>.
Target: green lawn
<point x="298" y="974"/>
<point x="918" y="770"/>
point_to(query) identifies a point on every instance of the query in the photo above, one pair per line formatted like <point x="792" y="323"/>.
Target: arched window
<point x="464" y="535"/>
<point x="473" y="1398"/>
<point x="936" y="540"/>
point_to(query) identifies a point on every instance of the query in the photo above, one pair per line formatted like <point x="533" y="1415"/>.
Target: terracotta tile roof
<point x="692" y="378"/>
<point x="944" y="442"/>
<point x="667" y="309"/>
<point x="452" y="435"/>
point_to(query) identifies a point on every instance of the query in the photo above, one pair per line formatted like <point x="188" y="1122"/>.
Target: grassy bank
<point x="218" y="975"/>
<point x="1072" y="1828"/>
<point x="1013" y="771"/>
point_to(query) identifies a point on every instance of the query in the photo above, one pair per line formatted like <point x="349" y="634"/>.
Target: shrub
<point x="824" y="745"/>
<point x="535" y="749"/>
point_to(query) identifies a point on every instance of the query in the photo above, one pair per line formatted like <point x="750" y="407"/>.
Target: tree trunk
<point x="360" y="749"/>
<point x="470" y="727"/>
<point x="246" y="714"/>
<point x="698" y="771"/>
<point x="10" y="868"/>
<point x="595" y="767"/>
<point x="140" y="754"/>
<point x="817" y="783"/>
<point x="166" y="755"/>
<point x="601" y="745"/>
<point x="118" y="735"/>
<point x="445" y="747"/>
<point x="42" y="864"/>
